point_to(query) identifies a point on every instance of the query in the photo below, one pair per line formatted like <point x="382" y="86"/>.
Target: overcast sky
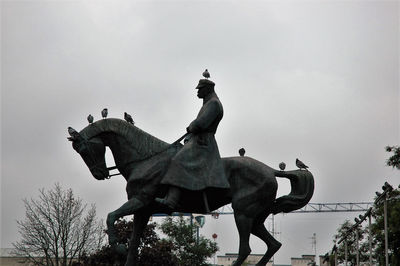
<point x="317" y="80"/>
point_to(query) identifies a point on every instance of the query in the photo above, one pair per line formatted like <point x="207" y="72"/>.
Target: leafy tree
<point x="179" y="248"/>
<point x="152" y="250"/>
<point x="188" y="249"/>
<point x="58" y="229"/>
<point x="394" y="160"/>
<point x="393" y="220"/>
<point x="352" y="243"/>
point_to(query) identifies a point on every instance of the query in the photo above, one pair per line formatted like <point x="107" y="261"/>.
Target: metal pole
<point x="358" y="249"/>
<point x="198" y="235"/>
<point x="386" y="233"/>
<point x="191" y="223"/>
<point x="370" y="239"/>
<point x="336" y="258"/>
<point x="273" y="235"/>
<point x="345" y="252"/>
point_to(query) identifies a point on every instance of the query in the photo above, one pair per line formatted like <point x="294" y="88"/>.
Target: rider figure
<point x="197" y="166"/>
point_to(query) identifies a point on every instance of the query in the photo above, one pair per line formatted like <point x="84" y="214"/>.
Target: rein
<point x="148" y="157"/>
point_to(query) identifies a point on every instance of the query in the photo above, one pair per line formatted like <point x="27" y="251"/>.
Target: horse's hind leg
<point x="273" y="245"/>
<point x="244" y="225"/>
<point x="139" y="224"/>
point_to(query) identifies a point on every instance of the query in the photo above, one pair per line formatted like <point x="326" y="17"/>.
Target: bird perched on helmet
<point x="128" y="118"/>
<point x="206" y="74"/>
<point x="300" y="164"/>
<point x="90" y="118"/>
<point x="104" y="113"/>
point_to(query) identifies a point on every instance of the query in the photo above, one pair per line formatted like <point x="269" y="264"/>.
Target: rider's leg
<point x="172" y="198"/>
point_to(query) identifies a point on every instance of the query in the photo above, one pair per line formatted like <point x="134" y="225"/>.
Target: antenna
<point x="314" y="244"/>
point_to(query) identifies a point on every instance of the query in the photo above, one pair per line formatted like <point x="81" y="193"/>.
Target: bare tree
<point x="58" y="229"/>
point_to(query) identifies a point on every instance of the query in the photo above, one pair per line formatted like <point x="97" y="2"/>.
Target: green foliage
<point x="152" y="250"/>
<point x="352" y="243"/>
<point x="394" y="160"/>
<point x="393" y="218"/>
<point x="188" y="249"/>
<point x="378" y="237"/>
<point x="180" y="247"/>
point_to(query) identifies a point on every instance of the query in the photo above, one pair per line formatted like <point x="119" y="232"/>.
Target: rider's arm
<point x="206" y="118"/>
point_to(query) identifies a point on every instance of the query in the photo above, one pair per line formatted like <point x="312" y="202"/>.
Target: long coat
<point x="198" y="164"/>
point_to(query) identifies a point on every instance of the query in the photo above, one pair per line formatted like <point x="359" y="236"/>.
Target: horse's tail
<point x="302" y="183"/>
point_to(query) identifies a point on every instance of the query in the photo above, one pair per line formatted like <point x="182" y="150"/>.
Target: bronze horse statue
<point x="143" y="160"/>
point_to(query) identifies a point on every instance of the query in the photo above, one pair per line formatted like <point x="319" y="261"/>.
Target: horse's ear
<point x="74" y="134"/>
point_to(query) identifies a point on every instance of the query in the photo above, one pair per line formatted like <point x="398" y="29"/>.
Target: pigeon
<point x="90" y="118"/>
<point x="206" y="74"/>
<point x="282" y="166"/>
<point x="300" y="164"/>
<point x="73" y="133"/>
<point x="128" y="118"/>
<point x="104" y="113"/>
<point x="242" y="151"/>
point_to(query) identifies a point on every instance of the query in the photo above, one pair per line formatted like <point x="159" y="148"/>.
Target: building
<point x="7" y="258"/>
<point x="303" y="261"/>
<point x="229" y="258"/>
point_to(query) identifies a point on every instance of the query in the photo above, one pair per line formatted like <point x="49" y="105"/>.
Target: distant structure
<point x="229" y="258"/>
<point x="252" y="259"/>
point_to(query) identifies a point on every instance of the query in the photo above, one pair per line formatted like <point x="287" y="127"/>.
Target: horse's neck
<point x="126" y="152"/>
<point x="120" y="149"/>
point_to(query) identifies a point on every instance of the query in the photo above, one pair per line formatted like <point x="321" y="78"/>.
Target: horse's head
<point x="92" y="152"/>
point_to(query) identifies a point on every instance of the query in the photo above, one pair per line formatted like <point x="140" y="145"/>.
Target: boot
<point x="171" y="199"/>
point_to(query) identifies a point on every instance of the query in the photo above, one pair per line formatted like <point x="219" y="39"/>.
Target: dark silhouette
<point x="128" y="118"/>
<point x="143" y="160"/>
<point x="301" y="165"/>
<point x="104" y="113"/>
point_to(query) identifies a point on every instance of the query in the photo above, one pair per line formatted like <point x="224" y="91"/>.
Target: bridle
<point x="95" y="164"/>
<point x="84" y="144"/>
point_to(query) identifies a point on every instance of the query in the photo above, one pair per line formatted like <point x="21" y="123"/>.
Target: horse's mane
<point x="143" y="142"/>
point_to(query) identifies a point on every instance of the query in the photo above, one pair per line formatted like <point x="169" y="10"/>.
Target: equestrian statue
<point x="189" y="177"/>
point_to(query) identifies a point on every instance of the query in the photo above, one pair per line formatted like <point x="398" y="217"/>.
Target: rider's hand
<point x="188" y="130"/>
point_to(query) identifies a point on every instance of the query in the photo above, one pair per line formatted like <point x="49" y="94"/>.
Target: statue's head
<point x="204" y="88"/>
<point x="92" y="152"/>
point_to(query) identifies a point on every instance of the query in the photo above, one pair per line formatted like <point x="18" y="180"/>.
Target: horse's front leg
<point x="128" y="208"/>
<point x="139" y="224"/>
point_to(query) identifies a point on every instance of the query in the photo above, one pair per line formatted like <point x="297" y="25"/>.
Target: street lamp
<point x="387" y="188"/>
